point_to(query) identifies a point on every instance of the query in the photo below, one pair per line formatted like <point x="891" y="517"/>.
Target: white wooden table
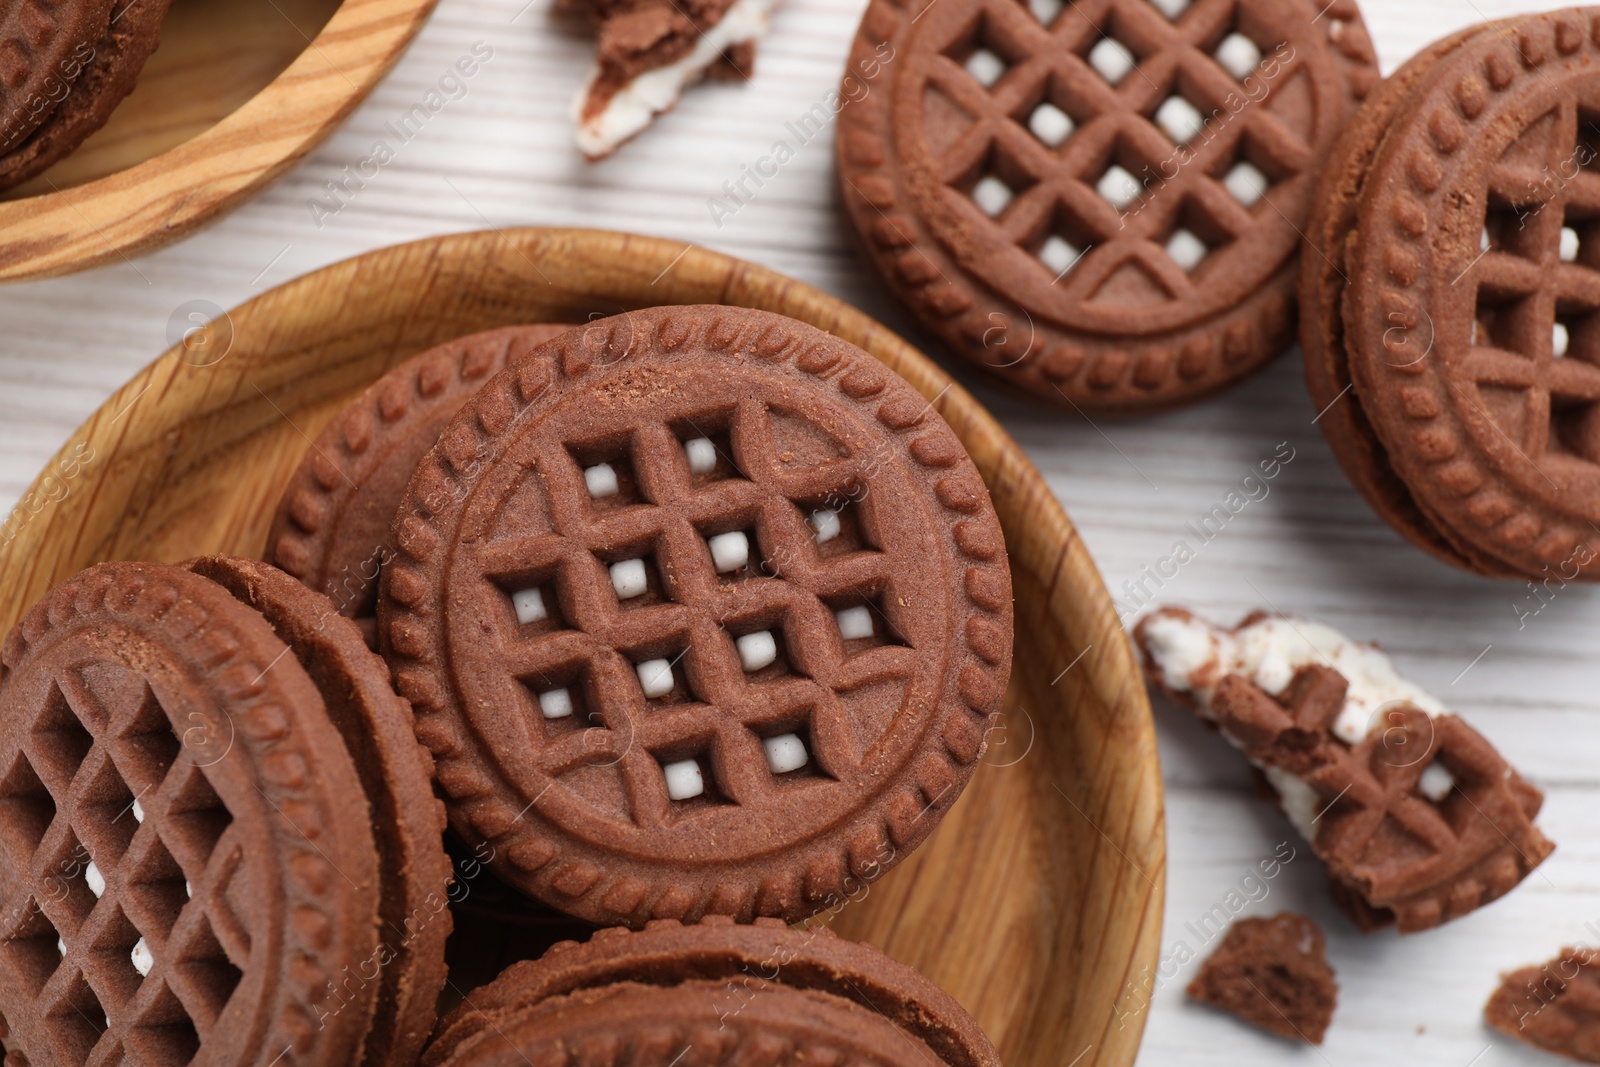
<point x="501" y="155"/>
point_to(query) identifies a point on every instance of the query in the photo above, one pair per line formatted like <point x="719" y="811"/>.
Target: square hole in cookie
<point x="529" y="602"/>
<point x="1246" y="183"/>
<point x="562" y="700"/>
<point x="988" y="50"/>
<point x="1194" y="238"/>
<point x="1180" y="119"/>
<point x="1238" y="55"/>
<point x="147" y="746"/>
<point x="689" y="776"/>
<point x="26" y="810"/>
<point x="154" y="888"/>
<point x="34" y="950"/>
<point x="1061" y="243"/>
<point x="1172" y="9"/>
<point x="60" y="742"/>
<point x="761" y="647"/>
<point x="633" y="573"/>
<point x="77" y="1021"/>
<point x="1125" y="186"/>
<point x="733" y="548"/>
<point x="1575" y="334"/>
<point x="114" y="941"/>
<point x="1046" y="11"/>
<point x="1510" y="322"/>
<point x="1111" y="59"/>
<point x="789" y="751"/>
<point x="1509" y="228"/>
<point x="107" y="818"/>
<point x="837" y="523"/>
<point x="196" y="817"/>
<point x="609" y="479"/>
<point x="862" y="621"/>
<point x="707" y="443"/>
<point x="665" y="671"/>
<point x="170" y="1042"/>
<point x="995" y="182"/>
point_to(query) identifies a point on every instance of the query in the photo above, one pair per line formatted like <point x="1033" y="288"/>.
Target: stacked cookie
<point x="1446" y="325"/>
<point x="712" y="993"/>
<point x="64" y="67"/>
<point x="219" y="835"/>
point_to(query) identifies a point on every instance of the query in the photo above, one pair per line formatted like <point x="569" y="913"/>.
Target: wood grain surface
<point x="500" y="154"/>
<point x="1031" y="876"/>
<point x="237" y="94"/>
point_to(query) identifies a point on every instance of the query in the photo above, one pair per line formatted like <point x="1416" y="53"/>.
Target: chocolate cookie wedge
<point x="187" y="867"/>
<point x="712" y="994"/>
<point x="1099" y="203"/>
<point x="1417" y="817"/>
<point x="702" y="611"/>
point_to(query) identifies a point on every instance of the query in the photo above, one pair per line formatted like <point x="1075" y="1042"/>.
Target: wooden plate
<point x="1037" y="903"/>
<point x="238" y="92"/>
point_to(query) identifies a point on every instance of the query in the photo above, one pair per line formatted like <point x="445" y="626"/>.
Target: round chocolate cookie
<point x="332" y="526"/>
<point x="44" y="47"/>
<point x="105" y="72"/>
<point x="701" y="611"/>
<point x="414" y="872"/>
<point x="712" y="994"/>
<point x="1459" y="325"/>
<point x="183" y="869"/>
<point x="1099" y="203"/>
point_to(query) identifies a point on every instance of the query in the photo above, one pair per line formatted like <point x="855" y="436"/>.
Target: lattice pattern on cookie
<point x="699" y="621"/>
<point x="1423" y="818"/>
<point x="1104" y="138"/>
<point x="127" y="930"/>
<point x="1534" y="355"/>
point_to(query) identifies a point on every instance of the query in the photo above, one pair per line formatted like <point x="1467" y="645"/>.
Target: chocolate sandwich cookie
<point x="1418" y="819"/>
<point x="701" y="611"/>
<point x="109" y="46"/>
<point x="414" y="873"/>
<point x="185" y="869"/>
<point x="1098" y="203"/>
<point x="1555" y="1006"/>
<point x="332" y="526"/>
<point x="44" y="47"/>
<point x="1447" y="335"/>
<point x="712" y="994"/>
<point x="1274" y="974"/>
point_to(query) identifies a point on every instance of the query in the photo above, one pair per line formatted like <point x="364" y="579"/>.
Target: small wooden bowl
<point x="1038" y="901"/>
<point x="238" y="93"/>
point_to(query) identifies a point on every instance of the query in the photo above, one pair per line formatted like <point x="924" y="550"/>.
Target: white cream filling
<point x="634" y="105"/>
<point x="1193" y="656"/>
<point x="1300" y="802"/>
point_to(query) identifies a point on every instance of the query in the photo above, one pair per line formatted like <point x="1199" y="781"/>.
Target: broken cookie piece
<point x="1555" y="1007"/>
<point x="1272" y="973"/>
<point x="650" y="51"/>
<point x="1415" y="815"/>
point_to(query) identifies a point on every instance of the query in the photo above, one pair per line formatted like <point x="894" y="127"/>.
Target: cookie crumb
<point x="1274" y="974"/>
